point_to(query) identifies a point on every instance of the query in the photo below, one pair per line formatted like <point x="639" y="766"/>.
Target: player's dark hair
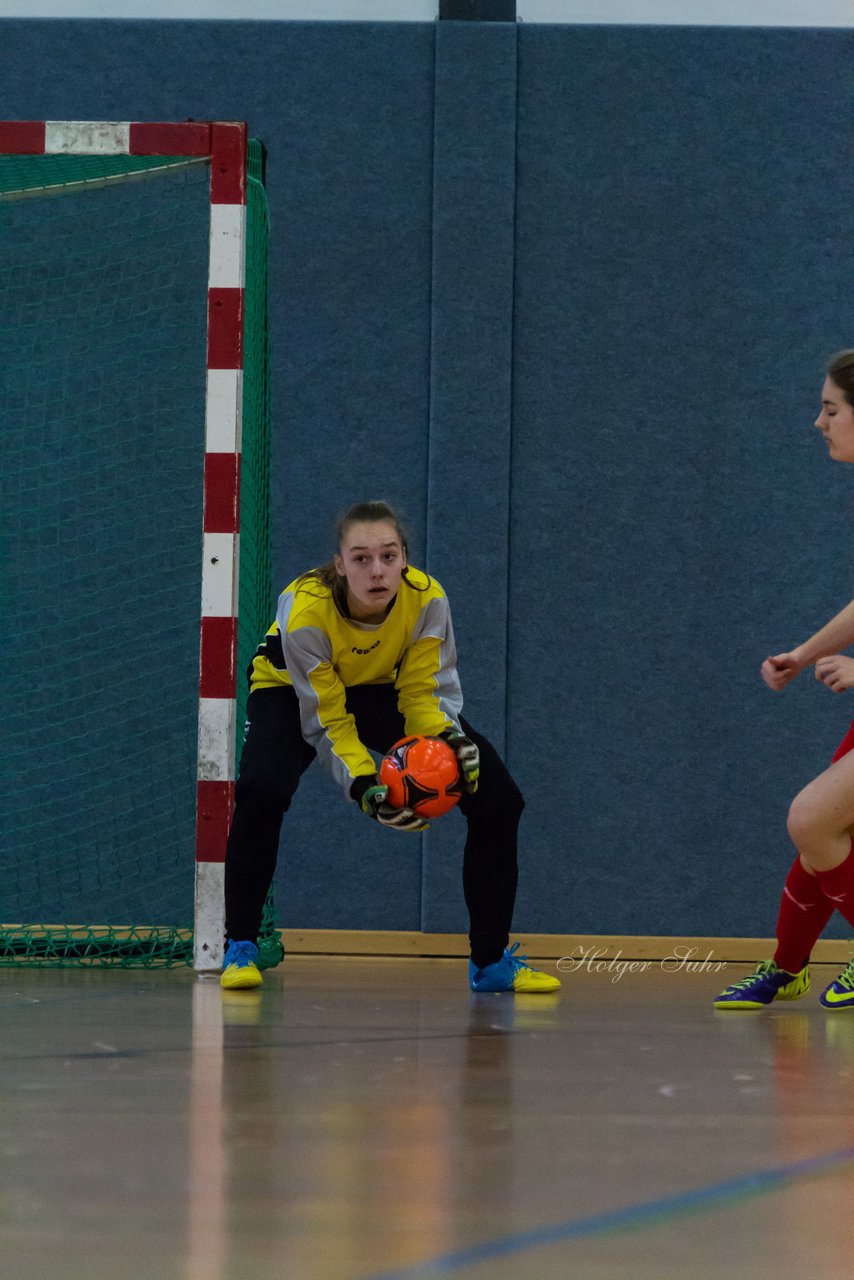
<point x="376" y="512"/>
<point x="840" y="369"/>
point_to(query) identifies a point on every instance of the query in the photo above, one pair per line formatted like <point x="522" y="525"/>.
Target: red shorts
<point x="846" y="745"/>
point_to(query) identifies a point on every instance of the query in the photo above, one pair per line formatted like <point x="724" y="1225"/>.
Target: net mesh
<point x="103" y="301"/>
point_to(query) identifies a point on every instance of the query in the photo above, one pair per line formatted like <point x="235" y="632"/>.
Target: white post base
<point x="209" y="936"/>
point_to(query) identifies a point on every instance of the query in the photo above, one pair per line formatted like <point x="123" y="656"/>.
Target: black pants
<point x="275" y="755"/>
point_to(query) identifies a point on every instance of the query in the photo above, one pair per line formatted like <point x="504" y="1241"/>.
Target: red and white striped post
<point x="226" y="145"/>
<point x="223" y="418"/>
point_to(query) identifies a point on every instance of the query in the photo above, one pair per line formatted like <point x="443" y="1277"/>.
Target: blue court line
<point x="633" y="1215"/>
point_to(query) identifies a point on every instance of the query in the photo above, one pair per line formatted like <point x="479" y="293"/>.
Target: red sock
<point x="804" y="911"/>
<point x="809" y="901"/>
<point x="838" y="887"/>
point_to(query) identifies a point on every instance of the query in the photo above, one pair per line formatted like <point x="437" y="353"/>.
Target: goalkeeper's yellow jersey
<point x="312" y="647"/>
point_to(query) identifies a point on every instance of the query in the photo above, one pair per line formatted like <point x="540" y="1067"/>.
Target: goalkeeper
<point x="361" y="653"/>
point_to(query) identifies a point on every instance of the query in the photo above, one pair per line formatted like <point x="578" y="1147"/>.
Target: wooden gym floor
<point x="371" y="1119"/>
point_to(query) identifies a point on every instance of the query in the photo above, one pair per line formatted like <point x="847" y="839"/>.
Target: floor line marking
<point x="759" y="1183"/>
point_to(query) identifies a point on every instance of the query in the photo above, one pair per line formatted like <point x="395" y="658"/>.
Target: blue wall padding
<point x="468" y="491"/>
<point x="683" y="268"/>
<point x="564" y="294"/>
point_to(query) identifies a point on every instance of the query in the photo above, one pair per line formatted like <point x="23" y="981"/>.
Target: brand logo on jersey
<point x="364" y="651"/>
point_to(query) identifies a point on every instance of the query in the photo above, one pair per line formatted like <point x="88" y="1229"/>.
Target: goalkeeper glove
<point x="468" y="756"/>
<point x="370" y="796"/>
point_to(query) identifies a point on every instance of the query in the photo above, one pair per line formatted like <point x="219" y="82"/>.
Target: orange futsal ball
<point x="422" y="774"/>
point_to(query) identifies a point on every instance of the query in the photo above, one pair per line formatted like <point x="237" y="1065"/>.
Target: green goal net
<point x="103" y="309"/>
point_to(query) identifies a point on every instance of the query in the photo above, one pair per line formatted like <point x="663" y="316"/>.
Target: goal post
<point x="134" y="324"/>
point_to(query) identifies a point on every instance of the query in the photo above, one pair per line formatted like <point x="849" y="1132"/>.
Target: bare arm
<point x="837" y="634"/>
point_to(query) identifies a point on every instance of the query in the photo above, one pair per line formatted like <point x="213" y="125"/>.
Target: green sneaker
<point x="840" y="993"/>
<point x="766" y="984"/>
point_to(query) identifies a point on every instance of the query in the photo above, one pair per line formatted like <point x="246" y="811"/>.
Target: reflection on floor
<point x="365" y="1118"/>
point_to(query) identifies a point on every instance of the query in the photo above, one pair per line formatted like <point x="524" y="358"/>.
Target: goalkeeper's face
<point x="372" y="560"/>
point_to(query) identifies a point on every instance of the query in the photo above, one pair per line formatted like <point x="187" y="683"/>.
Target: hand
<point x="371" y="796"/>
<point x="400" y="819"/>
<point x="468" y="756"/>
<point x="779" y="670"/>
<point x="836" y="672"/>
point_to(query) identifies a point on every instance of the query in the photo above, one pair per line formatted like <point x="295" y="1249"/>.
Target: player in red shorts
<point x="821" y="817"/>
